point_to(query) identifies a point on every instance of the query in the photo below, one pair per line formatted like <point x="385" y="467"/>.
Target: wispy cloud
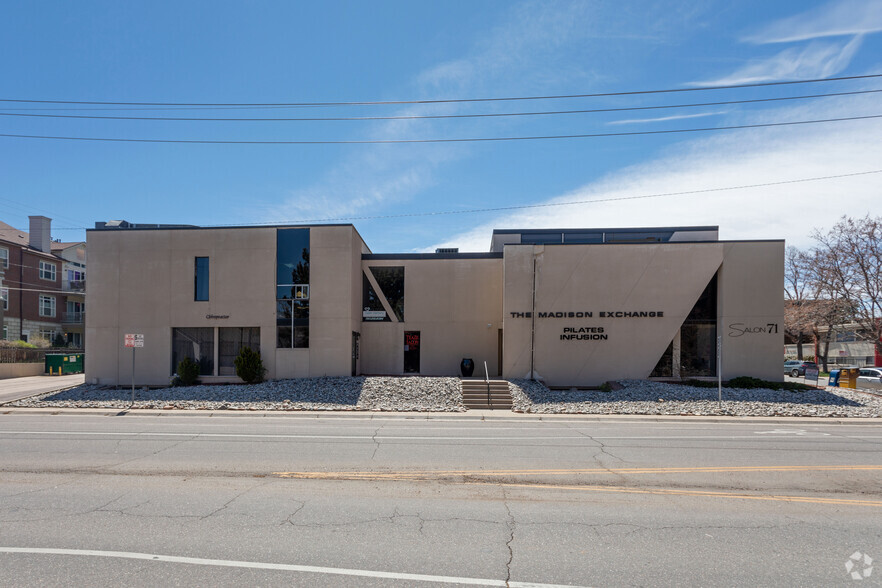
<point x="536" y="47"/>
<point x="735" y="158"/>
<point x="663" y="118"/>
<point x="838" y="18"/>
<point x="817" y="60"/>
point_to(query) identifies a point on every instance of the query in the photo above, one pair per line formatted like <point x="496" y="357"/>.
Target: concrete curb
<point x="471" y="415"/>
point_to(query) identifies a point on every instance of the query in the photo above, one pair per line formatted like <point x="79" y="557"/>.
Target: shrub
<point x="188" y="371"/>
<point x="750" y="383"/>
<point x="249" y="366"/>
<point x="606" y="387"/>
<point x="59" y="341"/>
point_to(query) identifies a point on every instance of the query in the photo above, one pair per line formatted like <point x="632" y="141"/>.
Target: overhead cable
<point x="455" y="100"/>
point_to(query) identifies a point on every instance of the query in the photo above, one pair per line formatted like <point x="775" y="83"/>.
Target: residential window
<point x="292" y="288"/>
<point x="4" y="298"/>
<point x="201" y="279"/>
<point x="4" y="258"/>
<point x="47" y="270"/>
<point x="47" y="305"/>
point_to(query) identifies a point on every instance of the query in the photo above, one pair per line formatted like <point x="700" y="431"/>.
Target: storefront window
<point x="230" y="341"/>
<point x="697" y="341"/>
<point x="196" y="343"/>
<point x="391" y="283"/>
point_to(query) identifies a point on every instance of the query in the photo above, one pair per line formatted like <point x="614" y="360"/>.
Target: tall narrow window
<point x="292" y="288"/>
<point x="47" y="305"/>
<point x="201" y="278"/>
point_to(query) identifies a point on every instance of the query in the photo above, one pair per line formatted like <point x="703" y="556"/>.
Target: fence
<point x="18" y="355"/>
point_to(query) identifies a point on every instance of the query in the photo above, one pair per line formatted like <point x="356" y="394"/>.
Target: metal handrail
<point x="487" y="382"/>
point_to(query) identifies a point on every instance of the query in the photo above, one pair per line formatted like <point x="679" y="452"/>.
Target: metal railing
<point x="73" y="285"/>
<point x="73" y="317"/>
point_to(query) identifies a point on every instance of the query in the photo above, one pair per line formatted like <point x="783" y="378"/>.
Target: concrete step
<point x="475" y="395"/>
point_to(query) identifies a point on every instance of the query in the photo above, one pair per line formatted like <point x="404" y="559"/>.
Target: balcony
<point x="73" y="318"/>
<point x="73" y="286"/>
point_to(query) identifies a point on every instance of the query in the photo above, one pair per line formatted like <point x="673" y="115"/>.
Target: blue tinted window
<point x="201" y="278"/>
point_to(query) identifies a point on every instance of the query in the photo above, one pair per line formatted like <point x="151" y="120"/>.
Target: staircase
<point x="474" y="394"/>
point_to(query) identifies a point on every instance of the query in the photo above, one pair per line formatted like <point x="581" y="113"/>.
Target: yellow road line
<point x="698" y="493"/>
<point x="430" y="474"/>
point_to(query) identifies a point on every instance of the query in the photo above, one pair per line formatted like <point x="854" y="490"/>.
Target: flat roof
<point x="603" y="230"/>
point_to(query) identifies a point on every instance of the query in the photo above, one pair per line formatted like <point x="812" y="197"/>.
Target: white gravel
<point x="427" y="394"/>
<point x="344" y="393"/>
<point x="645" y="397"/>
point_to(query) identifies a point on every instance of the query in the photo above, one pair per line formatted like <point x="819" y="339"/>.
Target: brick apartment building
<point x="42" y="284"/>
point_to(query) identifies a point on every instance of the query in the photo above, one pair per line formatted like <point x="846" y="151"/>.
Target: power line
<point x="437" y="116"/>
<point x="593" y="201"/>
<point x="455" y="100"/>
<point x="546" y="204"/>
<point x="461" y="140"/>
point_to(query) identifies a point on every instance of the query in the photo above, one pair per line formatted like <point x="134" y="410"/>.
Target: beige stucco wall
<point x="751" y="309"/>
<point x="20" y="370"/>
<point x="143" y="282"/>
<point x="455" y="304"/>
<point x="666" y="278"/>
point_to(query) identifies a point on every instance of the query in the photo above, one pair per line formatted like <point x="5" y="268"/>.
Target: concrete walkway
<point x="18" y="388"/>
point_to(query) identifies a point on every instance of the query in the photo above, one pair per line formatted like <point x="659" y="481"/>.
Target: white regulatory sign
<point x="134" y="340"/>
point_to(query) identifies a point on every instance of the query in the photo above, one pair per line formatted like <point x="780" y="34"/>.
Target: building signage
<point x="373" y="315"/>
<point x="134" y="340"/>
<point x="583" y="334"/>
<point x="590" y="314"/>
<point x="217" y="316"/>
<point x="739" y="329"/>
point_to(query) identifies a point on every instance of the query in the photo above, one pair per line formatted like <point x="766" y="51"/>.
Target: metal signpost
<point x="134" y="340"/>
<point x="720" y="370"/>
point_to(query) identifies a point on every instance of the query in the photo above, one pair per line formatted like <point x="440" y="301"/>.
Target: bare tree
<point x="848" y="263"/>
<point x="796" y="325"/>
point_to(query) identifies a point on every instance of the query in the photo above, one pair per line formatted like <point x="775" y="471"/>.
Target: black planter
<point x="467" y="367"/>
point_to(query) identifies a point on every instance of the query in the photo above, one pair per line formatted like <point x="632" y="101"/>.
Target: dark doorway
<point x="355" y="337"/>
<point x="499" y="355"/>
<point x="411" y="352"/>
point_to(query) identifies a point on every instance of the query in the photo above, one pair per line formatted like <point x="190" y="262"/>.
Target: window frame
<point x="4" y="298"/>
<point x="51" y="300"/>
<point x="44" y="270"/>
<point x="4" y="259"/>
<point x="205" y="278"/>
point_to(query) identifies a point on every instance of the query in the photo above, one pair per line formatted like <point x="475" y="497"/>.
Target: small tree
<point x="188" y="371"/>
<point x="59" y="340"/>
<point x="249" y="366"/>
<point x="849" y="262"/>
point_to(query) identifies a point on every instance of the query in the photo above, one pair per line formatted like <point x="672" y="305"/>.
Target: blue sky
<point x="284" y="52"/>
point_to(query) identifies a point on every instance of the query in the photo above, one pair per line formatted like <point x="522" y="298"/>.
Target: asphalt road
<point x="367" y="500"/>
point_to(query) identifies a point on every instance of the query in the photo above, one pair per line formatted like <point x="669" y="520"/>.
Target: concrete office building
<point x="571" y="307"/>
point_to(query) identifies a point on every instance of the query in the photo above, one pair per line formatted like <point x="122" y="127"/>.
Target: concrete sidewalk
<point x="18" y="388"/>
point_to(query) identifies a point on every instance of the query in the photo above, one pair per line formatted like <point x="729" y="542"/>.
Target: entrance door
<point x="411" y="352"/>
<point x="355" y="337"/>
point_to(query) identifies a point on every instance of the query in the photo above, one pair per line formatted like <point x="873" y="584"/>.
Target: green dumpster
<point x="58" y="364"/>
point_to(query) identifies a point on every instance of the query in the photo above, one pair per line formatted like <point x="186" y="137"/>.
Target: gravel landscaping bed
<point x="645" y="397"/>
<point x="358" y="393"/>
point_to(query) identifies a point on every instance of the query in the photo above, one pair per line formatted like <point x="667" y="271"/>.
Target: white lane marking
<point x="197" y="436"/>
<point x="798" y="432"/>
<point x="283" y="567"/>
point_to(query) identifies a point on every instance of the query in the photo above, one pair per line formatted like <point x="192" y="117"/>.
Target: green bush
<point x="606" y="387"/>
<point x="188" y="371"/>
<point x="249" y="366"/>
<point x="701" y="383"/>
<point x="750" y="383"/>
